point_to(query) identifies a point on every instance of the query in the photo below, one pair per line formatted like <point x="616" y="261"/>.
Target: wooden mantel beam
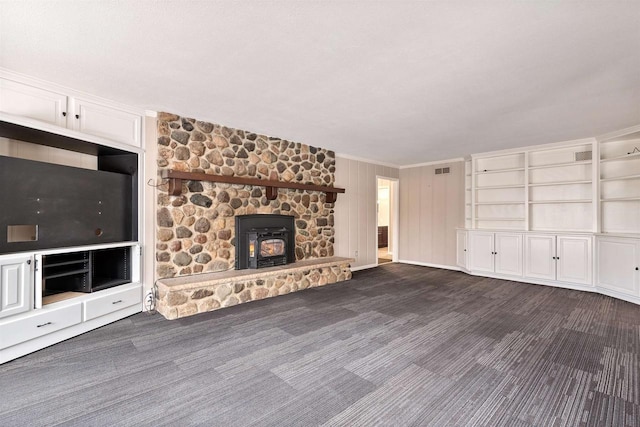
<point x="176" y="177"/>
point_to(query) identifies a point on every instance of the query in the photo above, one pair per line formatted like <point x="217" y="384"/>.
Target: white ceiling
<point x="393" y="81"/>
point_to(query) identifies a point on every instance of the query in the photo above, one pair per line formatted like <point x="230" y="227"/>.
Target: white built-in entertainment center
<point x="59" y="282"/>
<point x="564" y="214"/>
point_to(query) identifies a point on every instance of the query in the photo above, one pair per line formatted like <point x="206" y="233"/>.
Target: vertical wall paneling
<point x="355" y="211"/>
<point x="431" y="207"/>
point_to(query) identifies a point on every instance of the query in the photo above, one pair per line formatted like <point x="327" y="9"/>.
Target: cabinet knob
<point x="28" y="262"/>
<point x="77" y="116"/>
<point x="64" y="114"/>
<point x="637" y="268"/>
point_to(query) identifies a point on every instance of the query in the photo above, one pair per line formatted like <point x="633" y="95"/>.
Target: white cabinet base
<point x="28" y="332"/>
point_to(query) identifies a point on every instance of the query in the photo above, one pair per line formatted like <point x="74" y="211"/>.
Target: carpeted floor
<point x="398" y="345"/>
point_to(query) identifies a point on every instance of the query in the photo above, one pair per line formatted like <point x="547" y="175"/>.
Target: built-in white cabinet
<point x="618" y="265"/>
<point x="33" y="102"/>
<point x="562" y="258"/>
<point x="16" y="284"/>
<point x="106" y="122"/>
<point x="499" y="252"/>
<point x="77" y="113"/>
<point x="461" y="248"/>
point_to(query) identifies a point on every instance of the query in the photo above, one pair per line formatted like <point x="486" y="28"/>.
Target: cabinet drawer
<point x="113" y="302"/>
<point x="50" y="320"/>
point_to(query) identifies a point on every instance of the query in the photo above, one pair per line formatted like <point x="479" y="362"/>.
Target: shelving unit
<point x="499" y="192"/>
<point x="620" y="184"/>
<point x="468" y="185"/>
<point x="560" y="188"/>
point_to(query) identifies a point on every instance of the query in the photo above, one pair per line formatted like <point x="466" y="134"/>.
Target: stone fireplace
<point x="196" y="231"/>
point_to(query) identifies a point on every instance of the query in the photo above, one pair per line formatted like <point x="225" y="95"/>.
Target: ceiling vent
<point x="440" y="171"/>
<point x="583" y="155"/>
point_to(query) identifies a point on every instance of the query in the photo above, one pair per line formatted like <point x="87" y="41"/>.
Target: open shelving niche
<point x="69" y="272"/>
<point x="619" y="191"/>
<point x="498" y="195"/>
<point x="560" y="188"/>
<point x="544" y="188"/>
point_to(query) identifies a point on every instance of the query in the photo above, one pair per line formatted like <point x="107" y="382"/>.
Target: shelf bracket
<point x="271" y="193"/>
<point x="175" y="186"/>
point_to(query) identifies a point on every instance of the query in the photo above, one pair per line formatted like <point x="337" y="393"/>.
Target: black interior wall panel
<point x="71" y="206"/>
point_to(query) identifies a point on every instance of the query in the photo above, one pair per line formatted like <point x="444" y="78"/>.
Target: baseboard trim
<point x="428" y="264"/>
<point x="363" y="267"/>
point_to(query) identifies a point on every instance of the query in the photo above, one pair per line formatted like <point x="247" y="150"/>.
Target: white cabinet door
<point x="540" y="253"/>
<point x="574" y="259"/>
<point x="480" y="251"/>
<point x="618" y="260"/>
<point x="461" y="257"/>
<point x="15" y="285"/>
<point x="508" y="254"/>
<point x="28" y="101"/>
<point x="106" y="122"/>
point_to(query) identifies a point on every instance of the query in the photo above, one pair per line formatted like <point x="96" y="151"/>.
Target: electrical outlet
<point x="356" y="254"/>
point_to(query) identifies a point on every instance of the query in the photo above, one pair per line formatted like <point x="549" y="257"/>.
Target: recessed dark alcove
<point x="264" y="240"/>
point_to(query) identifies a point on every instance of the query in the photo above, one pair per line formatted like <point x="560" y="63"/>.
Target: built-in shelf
<point x="620" y="178"/>
<point x="546" y="184"/>
<point x="557" y="165"/>
<point x="499" y="219"/>
<point x="176" y="177"/>
<point x="619" y="158"/>
<point x="621" y="199"/>
<point x="500" y="203"/>
<point x="548" y="202"/>
<point x="65" y="273"/>
<point x="495" y="187"/>
<point x="482" y="172"/>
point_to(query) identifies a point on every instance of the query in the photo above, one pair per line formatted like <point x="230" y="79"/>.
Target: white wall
<point x="355" y="210"/>
<point x="431" y="207"/>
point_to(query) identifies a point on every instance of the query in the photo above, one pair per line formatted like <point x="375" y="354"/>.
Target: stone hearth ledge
<point x="187" y="295"/>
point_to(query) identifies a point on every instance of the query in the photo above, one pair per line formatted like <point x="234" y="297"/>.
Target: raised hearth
<point x="188" y="295"/>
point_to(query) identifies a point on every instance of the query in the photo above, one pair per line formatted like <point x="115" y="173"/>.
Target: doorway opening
<point x="386" y="229"/>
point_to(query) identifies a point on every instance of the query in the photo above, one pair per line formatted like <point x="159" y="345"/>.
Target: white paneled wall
<point x="355" y="211"/>
<point x="431" y="207"/>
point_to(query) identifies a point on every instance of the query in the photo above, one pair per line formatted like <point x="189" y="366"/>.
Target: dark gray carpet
<point x="398" y="345"/>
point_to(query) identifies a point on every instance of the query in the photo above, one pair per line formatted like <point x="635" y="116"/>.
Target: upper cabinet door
<point x="574" y="256"/>
<point x="540" y="253"/>
<point x="481" y="251"/>
<point x="28" y="101"/>
<point x="106" y="122"/>
<point x="618" y="259"/>
<point x="508" y="253"/>
<point x="15" y="285"/>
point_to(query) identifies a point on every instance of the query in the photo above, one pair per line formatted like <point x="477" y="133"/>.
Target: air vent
<point x="583" y="155"/>
<point x="440" y="171"/>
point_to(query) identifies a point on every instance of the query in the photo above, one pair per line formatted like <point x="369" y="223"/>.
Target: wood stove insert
<point x="264" y="241"/>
